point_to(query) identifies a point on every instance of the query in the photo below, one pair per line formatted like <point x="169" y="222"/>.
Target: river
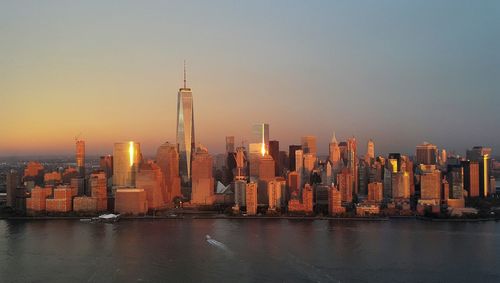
<point x="246" y="250"/>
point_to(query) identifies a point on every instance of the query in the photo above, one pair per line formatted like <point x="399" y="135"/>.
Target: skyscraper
<point x="167" y="159"/>
<point x="299" y="164"/>
<point x="394" y="162"/>
<point x="335" y="201"/>
<point x="274" y="192"/>
<point x="106" y="165"/>
<point x="240" y="163"/>
<point x="426" y="154"/>
<point x="334" y="151"/>
<point x="307" y="199"/>
<point x="230" y="168"/>
<point x="443" y="156"/>
<point x="266" y="168"/>
<point x="309" y="163"/>
<point x="344" y="184"/>
<point x="291" y="154"/>
<point x="229" y="159"/>
<point x="293" y="185"/>
<point x="240" y="192"/>
<point x="126" y="159"/>
<point x="493" y="185"/>
<point x="258" y="147"/>
<point x="407" y="166"/>
<point x="484" y="178"/>
<point x="254" y="153"/>
<point x="283" y="162"/>
<point x="370" y="149"/>
<point x="482" y="155"/>
<point x="430" y="183"/>
<point x="80" y="157"/>
<point x="352" y="162"/>
<point x="455" y="178"/>
<point x="363" y="174"/>
<point x="401" y="185"/>
<point x="274" y="151"/>
<point x="375" y="192"/>
<point x="261" y="135"/>
<point x="309" y="145"/>
<point x="230" y="144"/>
<point x="185" y="130"/>
<point x="98" y="183"/>
<point x="471" y="177"/>
<point x="343" y="152"/>
<point x="12" y="182"/>
<point x="477" y="153"/>
<point x="251" y="198"/>
<point x="203" y="182"/>
<point x="150" y="179"/>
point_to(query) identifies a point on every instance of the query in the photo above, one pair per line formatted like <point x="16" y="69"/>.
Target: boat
<point x="108" y="218"/>
<point x="105" y="218"/>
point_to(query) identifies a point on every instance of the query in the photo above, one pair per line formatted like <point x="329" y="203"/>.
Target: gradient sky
<point x="400" y="72"/>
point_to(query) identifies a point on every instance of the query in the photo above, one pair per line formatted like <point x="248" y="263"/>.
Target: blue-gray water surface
<point x="260" y="250"/>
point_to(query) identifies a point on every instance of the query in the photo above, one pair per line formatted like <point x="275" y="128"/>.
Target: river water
<point x="260" y="250"/>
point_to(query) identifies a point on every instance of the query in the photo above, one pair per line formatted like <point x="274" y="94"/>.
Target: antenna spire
<point x="184" y="73"/>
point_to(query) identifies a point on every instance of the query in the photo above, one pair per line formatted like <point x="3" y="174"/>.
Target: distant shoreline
<point x="301" y="218"/>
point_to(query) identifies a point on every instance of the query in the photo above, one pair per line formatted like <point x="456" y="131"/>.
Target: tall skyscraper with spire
<point x="185" y="130"/>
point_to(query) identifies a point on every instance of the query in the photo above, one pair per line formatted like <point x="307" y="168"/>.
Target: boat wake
<point x="217" y="244"/>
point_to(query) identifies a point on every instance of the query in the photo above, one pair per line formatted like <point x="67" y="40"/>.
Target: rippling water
<point x="250" y="251"/>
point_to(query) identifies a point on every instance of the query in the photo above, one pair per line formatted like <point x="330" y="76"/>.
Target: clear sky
<point x="400" y="72"/>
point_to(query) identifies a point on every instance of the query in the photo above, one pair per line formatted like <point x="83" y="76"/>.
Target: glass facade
<point x="126" y="160"/>
<point x="185" y="132"/>
<point x="261" y="134"/>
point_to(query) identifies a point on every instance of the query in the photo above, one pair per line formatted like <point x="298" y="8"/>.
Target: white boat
<point x="109" y="218"/>
<point x="106" y="218"/>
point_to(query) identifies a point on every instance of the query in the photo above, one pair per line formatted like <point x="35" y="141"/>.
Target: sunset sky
<point x="399" y="72"/>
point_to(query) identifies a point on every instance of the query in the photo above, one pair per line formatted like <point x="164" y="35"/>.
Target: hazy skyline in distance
<point x="399" y="72"/>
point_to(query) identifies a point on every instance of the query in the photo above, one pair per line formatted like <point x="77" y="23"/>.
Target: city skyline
<point x="236" y="140"/>
<point x="415" y="76"/>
